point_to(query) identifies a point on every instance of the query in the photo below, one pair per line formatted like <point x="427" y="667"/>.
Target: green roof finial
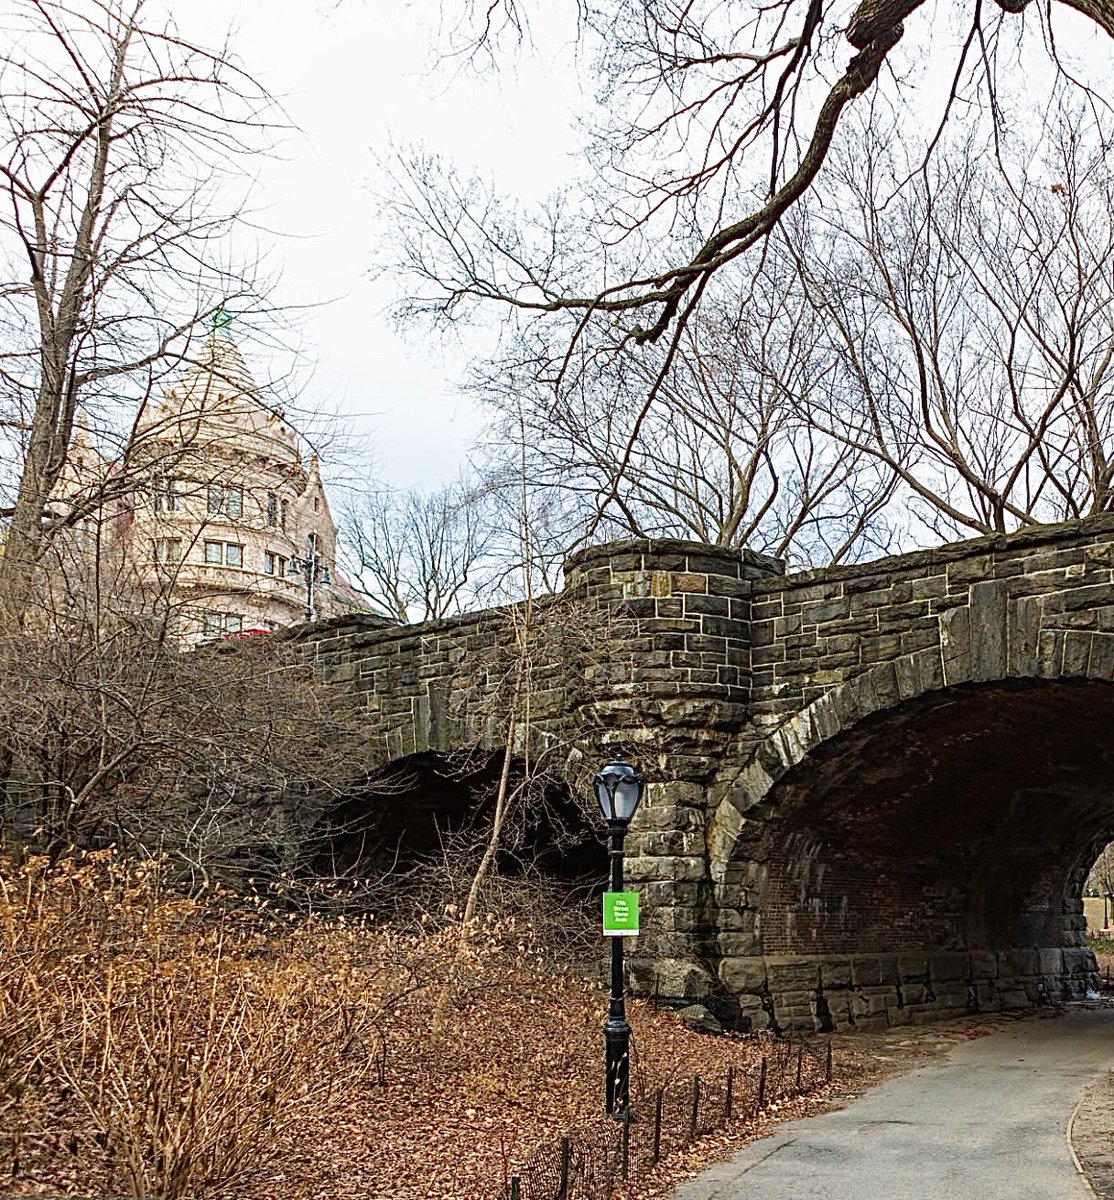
<point x="222" y="319"/>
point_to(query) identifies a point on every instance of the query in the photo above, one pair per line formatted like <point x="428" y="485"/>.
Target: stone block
<point x="762" y="635"/>
<point x="743" y="945"/>
<point x="976" y="568"/>
<point x="680" y="978"/>
<point x="988" y="630"/>
<point x="1079" y="960"/>
<point x="955" y="645"/>
<point x="870" y="972"/>
<point x="1077" y="652"/>
<point x="667" y="866"/>
<point x="792" y="974"/>
<point x="745" y="975"/>
<point x="1050" y="654"/>
<point x="866" y="698"/>
<point x="1101" y="555"/>
<point x="699" y="1019"/>
<point x="1014" y="964"/>
<point x="948" y="967"/>
<point x="1013" y="998"/>
<point x="835" y="973"/>
<point x="879" y="647"/>
<point x="690" y="582"/>
<point x="1024" y="627"/>
<point x="712" y="606"/>
<point x="905" y="673"/>
<point x="929" y="587"/>
<point x="752" y="1017"/>
<point x="884" y="680"/>
<point x="763" y="609"/>
<point x="821" y="611"/>
<point x="725" y="827"/>
<point x="930" y="669"/>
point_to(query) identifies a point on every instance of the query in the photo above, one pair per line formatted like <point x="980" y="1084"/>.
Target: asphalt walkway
<point x="987" y="1122"/>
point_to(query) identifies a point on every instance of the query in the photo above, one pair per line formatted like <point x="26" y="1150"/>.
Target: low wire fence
<point x="591" y="1161"/>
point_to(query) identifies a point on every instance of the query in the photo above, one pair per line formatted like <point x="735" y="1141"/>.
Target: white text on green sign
<point x="620" y="914"/>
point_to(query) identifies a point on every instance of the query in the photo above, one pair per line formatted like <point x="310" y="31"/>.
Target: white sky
<point x="356" y="76"/>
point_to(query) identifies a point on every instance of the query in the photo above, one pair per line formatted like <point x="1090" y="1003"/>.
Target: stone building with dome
<point x="226" y="520"/>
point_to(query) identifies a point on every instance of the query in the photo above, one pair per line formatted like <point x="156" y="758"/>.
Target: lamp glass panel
<point x="602" y="797"/>
<point x="627" y="795"/>
<point x="618" y="790"/>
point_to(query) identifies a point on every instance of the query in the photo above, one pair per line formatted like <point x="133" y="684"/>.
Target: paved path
<point x="988" y="1122"/>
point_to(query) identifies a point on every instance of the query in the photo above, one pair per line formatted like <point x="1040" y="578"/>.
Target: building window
<point x="272" y="510"/>
<point x="224" y="554"/>
<point x="165" y="494"/>
<point x="282" y="515"/>
<point x="274" y="564"/>
<point x="168" y="550"/>
<point x="226" y="501"/>
<point x="317" y="504"/>
<point x="220" y="624"/>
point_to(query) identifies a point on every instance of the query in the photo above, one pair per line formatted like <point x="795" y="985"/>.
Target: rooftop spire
<point x="222" y="321"/>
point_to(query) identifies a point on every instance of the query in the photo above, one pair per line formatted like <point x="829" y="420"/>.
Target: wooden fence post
<point x="695" y="1117"/>
<point x="761" y="1085"/>
<point x="730" y="1096"/>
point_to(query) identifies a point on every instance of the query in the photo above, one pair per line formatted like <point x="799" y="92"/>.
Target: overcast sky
<point x="357" y="76"/>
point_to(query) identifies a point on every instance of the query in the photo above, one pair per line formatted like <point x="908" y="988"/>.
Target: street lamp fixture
<point x="618" y="788"/>
<point x="314" y="569"/>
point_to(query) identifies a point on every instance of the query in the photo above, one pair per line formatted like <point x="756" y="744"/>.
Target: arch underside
<point x="435" y="807"/>
<point x="928" y="861"/>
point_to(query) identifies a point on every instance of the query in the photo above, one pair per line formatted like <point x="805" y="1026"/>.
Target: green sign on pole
<point x="620" y="914"/>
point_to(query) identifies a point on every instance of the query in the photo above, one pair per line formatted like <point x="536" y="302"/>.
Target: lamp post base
<point x="616" y="1038"/>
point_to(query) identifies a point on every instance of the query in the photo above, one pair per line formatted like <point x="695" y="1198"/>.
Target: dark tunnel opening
<point x="423" y="807"/>
<point x="944" y="845"/>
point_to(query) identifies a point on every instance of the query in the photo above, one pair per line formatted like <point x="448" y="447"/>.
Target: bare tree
<point x="1100" y="880"/>
<point x="717" y="118"/>
<point x="119" y="145"/>
<point x="221" y="758"/>
<point x="967" y="325"/>
<point x="418" y="556"/>
<point x="726" y="456"/>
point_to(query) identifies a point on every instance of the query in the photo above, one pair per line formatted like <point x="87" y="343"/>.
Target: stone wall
<point x="870" y="788"/>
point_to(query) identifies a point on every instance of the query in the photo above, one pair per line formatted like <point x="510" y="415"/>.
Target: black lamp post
<point x="618" y="788"/>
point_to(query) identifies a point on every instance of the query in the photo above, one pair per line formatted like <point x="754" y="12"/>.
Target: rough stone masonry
<point x="873" y="790"/>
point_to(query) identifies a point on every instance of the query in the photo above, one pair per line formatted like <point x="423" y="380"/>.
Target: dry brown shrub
<point x="168" y="1041"/>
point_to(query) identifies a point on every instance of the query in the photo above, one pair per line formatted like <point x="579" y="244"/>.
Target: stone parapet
<point x="680" y="648"/>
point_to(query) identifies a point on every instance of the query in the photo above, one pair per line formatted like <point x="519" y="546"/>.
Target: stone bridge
<point x="874" y="791"/>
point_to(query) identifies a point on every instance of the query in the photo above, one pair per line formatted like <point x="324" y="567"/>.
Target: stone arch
<point x="891" y="852"/>
<point x="1021" y="652"/>
<point x="416" y="807"/>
